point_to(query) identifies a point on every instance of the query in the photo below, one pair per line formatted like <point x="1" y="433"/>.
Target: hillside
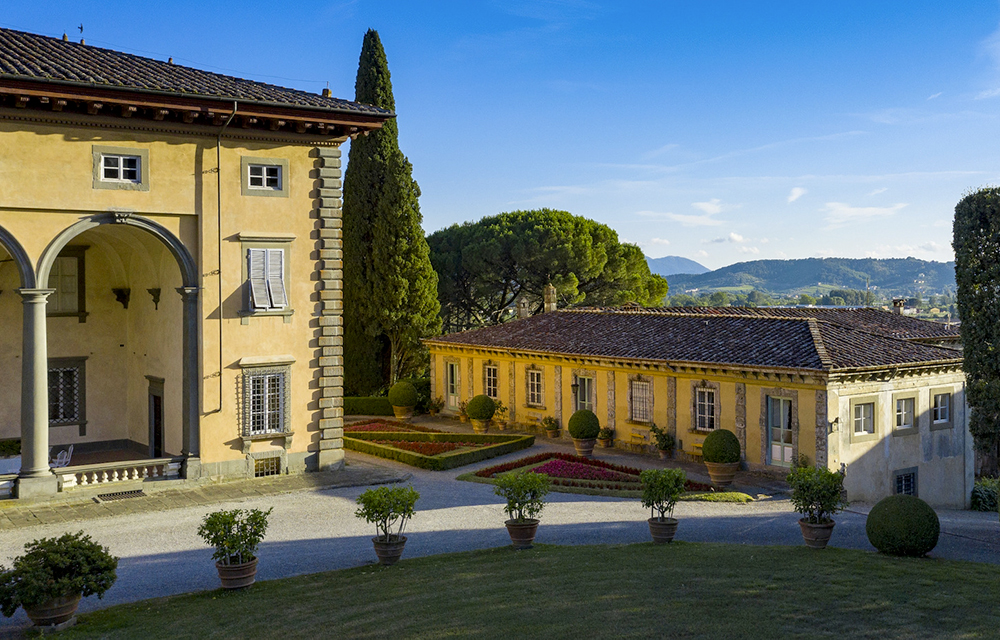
<point x="670" y="265"/>
<point x="893" y="276"/>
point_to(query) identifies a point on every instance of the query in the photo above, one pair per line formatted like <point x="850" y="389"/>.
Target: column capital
<point x="188" y="292"/>
<point x="35" y="295"/>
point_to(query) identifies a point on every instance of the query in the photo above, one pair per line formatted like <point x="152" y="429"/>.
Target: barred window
<point x="67" y="392"/>
<point x="535" y="396"/>
<point x="705" y="410"/>
<point x="265" y="401"/>
<point x="906" y="481"/>
<point x="640" y="396"/>
<point x="490" y="375"/>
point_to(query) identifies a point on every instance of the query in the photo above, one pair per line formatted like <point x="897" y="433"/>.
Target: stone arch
<point x="16" y="251"/>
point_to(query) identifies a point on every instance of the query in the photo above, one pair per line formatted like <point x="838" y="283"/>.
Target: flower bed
<point x="428" y="448"/>
<point x="577" y="471"/>
<point x="388" y="425"/>
<point x="434" y="450"/>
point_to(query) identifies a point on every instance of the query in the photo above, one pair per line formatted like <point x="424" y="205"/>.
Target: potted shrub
<point x="721" y="453"/>
<point x="500" y="416"/>
<point x="53" y="575"/>
<point x="661" y="489"/>
<point x="525" y="494"/>
<point x="480" y="409"/>
<point x="583" y="428"/>
<point x="817" y="493"/>
<point x="606" y="437"/>
<point x="403" y="398"/>
<point x="551" y="426"/>
<point x="389" y="509"/>
<point x="664" y="442"/>
<point x="462" y="414"/>
<point x="435" y="405"/>
<point x="235" y="535"/>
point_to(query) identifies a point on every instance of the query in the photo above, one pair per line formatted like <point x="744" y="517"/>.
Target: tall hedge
<point x="390" y="288"/>
<point x="977" y="271"/>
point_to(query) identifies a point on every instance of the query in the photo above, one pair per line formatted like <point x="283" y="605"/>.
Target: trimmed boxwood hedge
<point x="367" y="406"/>
<point x="903" y="525"/>
<point x="499" y="445"/>
<point x="721" y="446"/>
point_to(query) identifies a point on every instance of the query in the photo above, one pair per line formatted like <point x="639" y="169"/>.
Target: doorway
<point x="779" y="428"/>
<point x="156" y="447"/>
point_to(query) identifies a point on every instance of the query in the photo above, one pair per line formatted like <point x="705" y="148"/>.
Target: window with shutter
<point x="276" y="278"/>
<point x="257" y="275"/>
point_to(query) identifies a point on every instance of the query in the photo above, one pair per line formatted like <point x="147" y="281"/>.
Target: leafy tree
<point x="805" y="298"/>
<point x="390" y="288"/>
<point x="720" y="299"/>
<point x="976" y="243"/>
<point x="486" y="267"/>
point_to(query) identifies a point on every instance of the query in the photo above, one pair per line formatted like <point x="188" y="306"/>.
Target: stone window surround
<point x="79" y="362"/>
<point x="652" y="399"/>
<point x="247" y="190"/>
<point x="777" y="392"/>
<point x="915" y="428"/>
<point x="916" y="477"/>
<point x="585" y="373"/>
<point x="255" y="365"/>
<point x="99" y="151"/>
<point x="864" y="437"/>
<point x="78" y="252"/>
<point x="528" y="368"/>
<point x="252" y="240"/>
<point x="709" y="385"/>
<point x="496" y="378"/>
<point x="948" y="424"/>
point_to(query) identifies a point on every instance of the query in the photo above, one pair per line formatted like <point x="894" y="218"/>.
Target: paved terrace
<point x="313" y="527"/>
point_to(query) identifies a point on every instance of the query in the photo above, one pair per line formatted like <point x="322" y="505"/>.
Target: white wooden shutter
<point x="276" y="277"/>
<point x="256" y="269"/>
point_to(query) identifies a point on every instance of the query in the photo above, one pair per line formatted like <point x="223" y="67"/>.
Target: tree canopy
<point x="485" y="267"/>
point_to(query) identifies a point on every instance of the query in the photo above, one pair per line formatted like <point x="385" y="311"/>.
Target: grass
<point x="680" y="590"/>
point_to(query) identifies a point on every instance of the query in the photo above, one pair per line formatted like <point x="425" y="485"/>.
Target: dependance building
<point x="170" y="268"/>
<point x="881" y="394"/>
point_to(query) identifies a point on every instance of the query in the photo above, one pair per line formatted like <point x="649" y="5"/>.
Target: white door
<point x="779" y="429"/>
<point x="451" y="386"/>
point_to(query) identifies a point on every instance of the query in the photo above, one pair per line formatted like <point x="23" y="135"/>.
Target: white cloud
<point x="732" y="237"/>
<point x="878" y="191"/>
<point x="796" y="193"/>
<point x="989" y="93"/>
<point x="839" y="213"/>
<point x="701" y="253"/>
<point x="930" y="247"/>
<point x="764" y="240"/>
<point x="753" y="250"/>
<point x="711" y="207"/>
<point x="735" y="237"/>
<point x="936" y="95"/>
<point x="655" y="241"/>
<point x="688" y="220"/>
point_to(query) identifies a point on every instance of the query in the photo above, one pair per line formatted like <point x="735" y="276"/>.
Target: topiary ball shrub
<point x="403" y="394"/>
<point x="721" y="446"/>
<point x="903" y="525"/>
<point x="481" y="408"/>
<point x="584" y="425"/>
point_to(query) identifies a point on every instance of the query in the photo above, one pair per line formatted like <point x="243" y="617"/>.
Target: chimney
<point x="897" y="305"/>
<point x="326" y="92"/>
<point x="522" y="309"/>
<point x="550" y="298"/>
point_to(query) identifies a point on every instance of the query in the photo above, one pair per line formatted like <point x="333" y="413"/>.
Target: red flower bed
<point x="427" y="448"/>
<point x="577" y="471"/>
<point x="389" y="425"/>
<point x="489" y="472"/>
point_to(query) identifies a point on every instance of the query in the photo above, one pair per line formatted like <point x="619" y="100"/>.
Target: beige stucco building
<point x="870" y="390"/>
<point x="170" y="268"/>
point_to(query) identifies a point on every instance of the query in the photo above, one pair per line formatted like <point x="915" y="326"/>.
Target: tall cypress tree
<point x="390" y="288"/>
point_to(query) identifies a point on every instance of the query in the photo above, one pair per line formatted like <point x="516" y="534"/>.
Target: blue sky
<point x="717" y="131"/>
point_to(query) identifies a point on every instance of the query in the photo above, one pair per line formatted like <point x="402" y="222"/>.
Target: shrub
<point x="605" y="434"/>
<point x="664" y="441"/>
<point x="721" y="446"/>
<point x="435" y="405"/>
<point x="481" y="407"/>
<point x="584" y="424"/>
<point x="10" y="448"/>
<point x="525" y="494"/>
<point x="423" y="389"/>
<point x="235" y="534"/>
<point x="55" y="567"/>
<point x="403" y="394"/>
<point x="501" y="411"/>
<point x="549" y="423"/>
<point x="903" y="525"/>
<point x="661" y="489"/>
<point x="984" y="494"/>
<point x="367" y="406"/>
<point x="817" y="493"/>
<point x="386" y="506"/>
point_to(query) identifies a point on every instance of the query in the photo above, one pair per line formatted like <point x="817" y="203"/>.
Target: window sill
<point x="245" y="315"/>
<point x="941" y="426"/>
<point x="909" y="431"/>
<point x="259" y="437"/>
<point x="82" y="315"/>
<point x="857" y="438"/>
<point x="640" y="423"/>
<point x="702" y="431"/>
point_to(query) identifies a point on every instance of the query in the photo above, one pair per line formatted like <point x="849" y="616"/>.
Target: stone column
<point x="190" y="404"/>
<point x="36" y="478"/>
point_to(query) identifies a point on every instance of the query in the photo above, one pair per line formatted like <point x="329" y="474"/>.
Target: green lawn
<point x="681" y="590"/>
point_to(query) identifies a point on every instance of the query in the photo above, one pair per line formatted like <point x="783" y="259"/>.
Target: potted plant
<point x="721" y="453"/>
<point x="435" y="405"/>
<point x="606" y="438"/>
<point x="53" y="575"/>
<point x="525" y="494"/>
<point x="462" y="413"/>
<point x="480" y="409"/>
<point x="664" y="442"/>
<point x="500" y="416"/>
<point x="389" y="509"/>
<point x="583" y="428"/>
<point x="403" y="398"/>
<point x="551" y="426"/>
<point x="817" y="493"/>
<point x="235" y="535"/>
<point x="661" y="489"/>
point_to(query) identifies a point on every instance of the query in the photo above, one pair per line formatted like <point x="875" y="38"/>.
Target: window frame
<point x="914" y="426"/>
<point x="864" y="436"/>
<point x="282" y="374"/>
<point x="489" y="367"/>
<point x="77" y="252"/>
<point x="937" y="425"/>
<point x="532" y="398"/>
<point x="78" y="363"/>
<point x="899" y="473"/>
<point x="120" y="184"/>
<point x="246" y="189"/>
<point x="267" y="242"/>
<point x="648" y="401"/>
<point x="588" y="388"/>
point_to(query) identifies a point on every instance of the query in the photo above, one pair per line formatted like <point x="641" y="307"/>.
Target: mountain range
<point x="671" y="265"/>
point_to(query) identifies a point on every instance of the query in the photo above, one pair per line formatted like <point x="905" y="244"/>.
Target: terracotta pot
<point x="607" y="443"/>
<point x="54" y="611"/>
<point x="522" y="534"/>
<point x="390" y="551"/>
<point x="816" y="535"/>
<point x="480" y="426"/>
<point x="237" y="576"/>
<point x="665" y="454"/>
<point x="662" y="530"/>
<point x="462" y="418"/>
<point x="722" y="473"/>
<point x="501" y="425"/>
<point x="584" y="447"/>
<point x="402" y="413"/>
<point x="552" y="433"/>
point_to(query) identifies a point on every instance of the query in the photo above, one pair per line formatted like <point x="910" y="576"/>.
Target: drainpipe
<point x="218" y="193"/>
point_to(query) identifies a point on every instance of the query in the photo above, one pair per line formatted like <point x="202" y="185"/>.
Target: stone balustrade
<point x="7" y="482"/>
<point x="111" y="472"/>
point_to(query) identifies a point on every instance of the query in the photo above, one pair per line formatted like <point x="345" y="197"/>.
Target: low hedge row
<point x="984" y="494"/>
<point x="367" y="406"/>
<point x="500" y="445"/>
